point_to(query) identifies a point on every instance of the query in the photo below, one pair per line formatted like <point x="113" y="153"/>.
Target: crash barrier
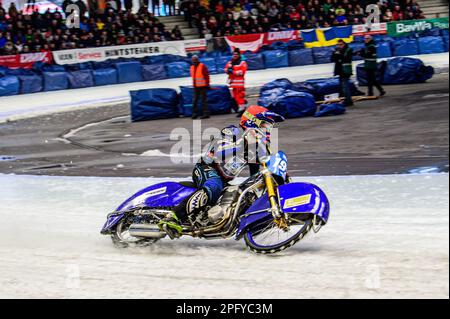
<point x="57" y="77"/>
<point x="153" y="104"/>
<point x="218" y="98"/>
<point x="401" y="70"/>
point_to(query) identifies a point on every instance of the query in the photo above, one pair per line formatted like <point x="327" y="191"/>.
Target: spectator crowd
<point x="116" y="25"/>
<point x="236" y="17"/>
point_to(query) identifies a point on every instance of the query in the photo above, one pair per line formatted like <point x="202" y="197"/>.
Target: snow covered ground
<point x="23" y="106"/>
<point x="388" y="236"/>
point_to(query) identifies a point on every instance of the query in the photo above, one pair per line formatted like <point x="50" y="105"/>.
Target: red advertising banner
<point x="25" y="61"/>
<point x="253" y="42"/>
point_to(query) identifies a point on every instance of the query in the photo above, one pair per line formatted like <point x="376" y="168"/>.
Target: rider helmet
<point x="259" y="117"/>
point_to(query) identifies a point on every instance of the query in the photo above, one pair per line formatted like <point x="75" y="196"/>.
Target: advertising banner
<point x="400" y="28"/>
<point x="115" y="52"/>
<point x="25" y="61"/>
<point x="375" y="28"/>
<point x="253" y="42"/>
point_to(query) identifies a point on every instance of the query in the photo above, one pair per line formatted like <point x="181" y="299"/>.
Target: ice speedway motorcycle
<point x="268" y="213"/>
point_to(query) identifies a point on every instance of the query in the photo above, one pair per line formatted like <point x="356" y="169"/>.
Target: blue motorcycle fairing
<point x="167" y="194"/>
<point x="277" y="164"/>
<point x="295" y="198"/>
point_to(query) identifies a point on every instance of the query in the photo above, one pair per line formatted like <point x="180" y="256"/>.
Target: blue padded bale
<point x="255" y="61"/>
<point x="178" y="69"/>
<point x="54" y="81"/>
<point x="361" y="74"/>
<point x="330" y="109"/>
<point x="221" y="62"/>
<point x="322" y="55"/>
<point x="434" y="32"/>
<point x="154" y="104"/>
<point x="294" y="45"/>
<point x="322" y="87"/>
<point x="129" y="72"/>
<point x="152" y="72"/>
<point x="406" y="70"/>
<point x="270" y="92"/>
<point x="218" y="97"/>
<point x="301" y="57"/>
<point x="428" y="45"/>
<point x="210" y="63"/>
<point x="9" y="85"/>
<point x="293" y="104"/>
<point x="105" y="76"/>
<point x="276" y="59"/>
<point x="405" y="47"/>
<point x="3" y="71"/>
<point x="356" y="48"/>
<point x="30" y="83"/>
<point x="80" y="79"/>
<point x="384" y="50"/>
<point x="445" y="41"/>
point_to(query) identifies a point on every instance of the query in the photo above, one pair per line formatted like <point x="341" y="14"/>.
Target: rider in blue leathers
<point x="224" y="160"/>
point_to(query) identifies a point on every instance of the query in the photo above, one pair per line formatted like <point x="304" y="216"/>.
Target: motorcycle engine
<point x="216" y="213"/>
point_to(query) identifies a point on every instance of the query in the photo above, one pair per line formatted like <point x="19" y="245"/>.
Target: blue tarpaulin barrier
<point x="221" y="62"/>
<point x="356" y="48"/>
<point x="301" y="57"/>
<point x="30" y="83"/>
<point x="362" y="76"/>
<point x="322" y="55"/>
<point x="54" y="81"/>
<point x="210" y="64"/>
<point x="445" y="41"/>
<point x="322" y="87"/>
<point x="405" y="47"/>
<point x="153" y="104"/>
<point x="270" y="92"/>
<point x="9" y="85"/>
<point x="151" y="72"/>
<point x="105" y="76"/>
<point x="80" y="79"/>
<point x="384" y="50"/>
<point x="128" y="72"/>
<point x="406" y="70"/>
<point x="330" y="109"/>
<point x="276" y="59"/>
<point x="255" y="61"/>
<point x="431" y="44"/>
<point x="292" y="104"/>
<point x="218" y="97"/>
<point x="178" y="69"/>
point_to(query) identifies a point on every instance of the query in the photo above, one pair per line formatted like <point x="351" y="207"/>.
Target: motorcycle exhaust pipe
<point x="146" y="230"/>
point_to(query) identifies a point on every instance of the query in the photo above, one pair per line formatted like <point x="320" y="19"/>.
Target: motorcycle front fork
<point x="278" y="216"/>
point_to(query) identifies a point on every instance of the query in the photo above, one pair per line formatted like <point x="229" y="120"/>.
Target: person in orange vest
<point x="236" y="70"/>
<point x="200" y="80"/>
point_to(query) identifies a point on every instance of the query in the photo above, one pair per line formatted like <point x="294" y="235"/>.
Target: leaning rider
<point x="223" y="161"/>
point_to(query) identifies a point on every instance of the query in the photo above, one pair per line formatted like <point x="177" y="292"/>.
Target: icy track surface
<point x="388" y="236"/>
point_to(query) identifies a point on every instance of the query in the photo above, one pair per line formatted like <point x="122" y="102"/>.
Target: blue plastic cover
<point x="431" y="44"/>
<point x="362" y="76"/>
<point x="330" y="109"/>
<point x="210" y="63"/>
<point x="405" y="47"/>
<point x="221" y="62"/>
<point x="406" y="70"/>
<point x="322" y="55"/>
<point x="276" y="59"/>
<point x="301" y="57"/>
<point x="384" y="50"/>
<point x="105" y="76"/>
<point x="255" y="61"/>
<point x="218" y="98"/>
<point x="292" y="104"/>
<point x="445" y="41"/>
<point x="129" y="72"/>
<point x="9" y="85"/>
<point x="356" y="48"/>
<point x="80" y="79"/>
<point x="178" y="69"/>
<point x="322" y="87"/>
<point x="30" y="83"/>
<point x="270" y="92"/>
<point x="153" y="104"/>
<point x="54" y="81"/>
<point x="152" y="72"/>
